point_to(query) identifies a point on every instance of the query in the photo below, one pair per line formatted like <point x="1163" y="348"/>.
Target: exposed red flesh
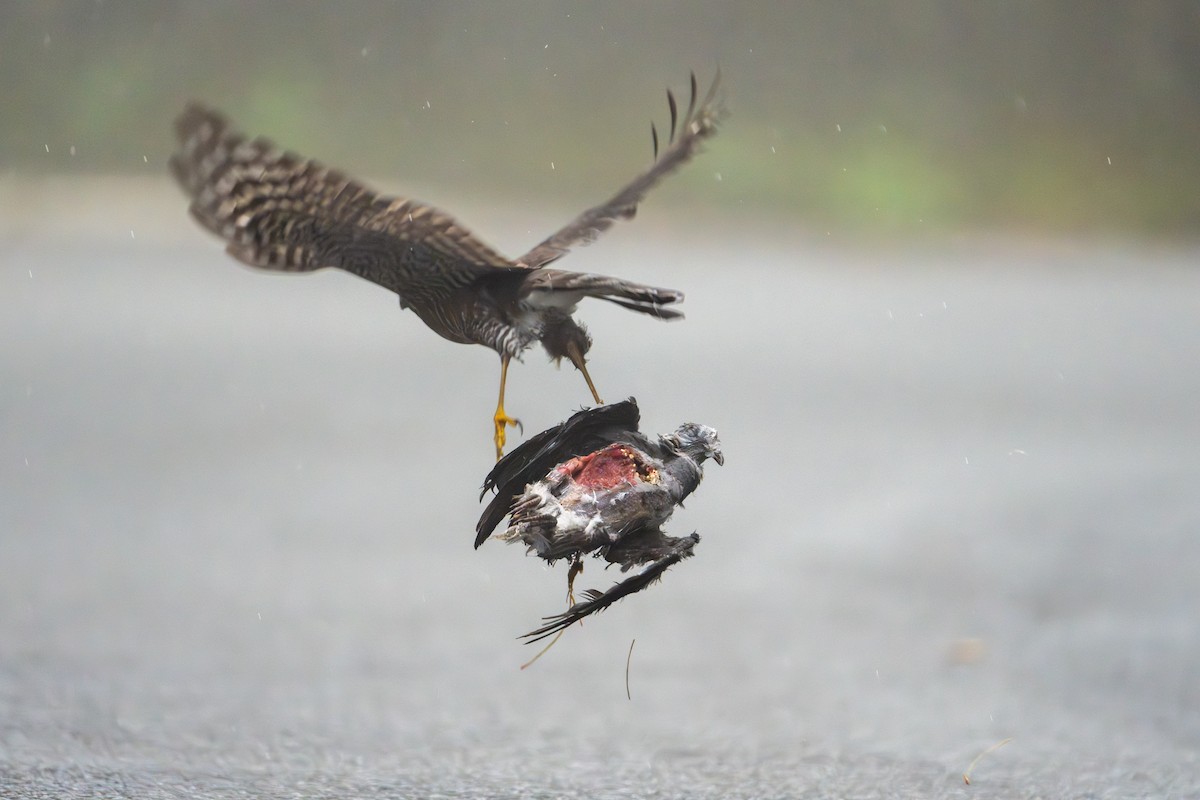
<point x="603" y="469"/>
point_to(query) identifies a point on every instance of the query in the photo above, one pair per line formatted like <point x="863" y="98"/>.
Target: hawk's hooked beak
<point x="719" y="457"/>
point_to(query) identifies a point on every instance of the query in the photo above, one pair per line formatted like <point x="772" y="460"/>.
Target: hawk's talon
<point x="502" y="421"/>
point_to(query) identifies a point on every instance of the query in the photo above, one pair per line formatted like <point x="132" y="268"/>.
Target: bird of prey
<point x="279" y="211"/>
<point x="595" y="484"/>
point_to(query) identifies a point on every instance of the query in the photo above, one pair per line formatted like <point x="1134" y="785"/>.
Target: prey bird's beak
<point x="719" y="457"/>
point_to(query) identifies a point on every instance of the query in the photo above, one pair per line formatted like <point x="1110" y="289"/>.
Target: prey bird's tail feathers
<point x="699" y="123"/>
<point x="597" y="601"/>
<point x="582" y="433"/>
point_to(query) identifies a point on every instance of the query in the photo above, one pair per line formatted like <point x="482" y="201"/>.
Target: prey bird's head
<point x="697" y="442"/>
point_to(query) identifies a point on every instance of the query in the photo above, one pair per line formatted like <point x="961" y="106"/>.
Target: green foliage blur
<point x="896" y="115"/>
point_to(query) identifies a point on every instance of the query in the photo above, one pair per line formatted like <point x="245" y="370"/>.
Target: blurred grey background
<point x="894" y="115"/>
<point x="943" y="306"/>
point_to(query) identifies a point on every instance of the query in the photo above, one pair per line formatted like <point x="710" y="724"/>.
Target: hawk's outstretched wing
<point x="279" y="211"/>
<point x="698" y="123"/>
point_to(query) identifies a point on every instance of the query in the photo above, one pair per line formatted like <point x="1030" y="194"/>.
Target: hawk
<point x="595" y="484"/>
<point x="279" y="211"/>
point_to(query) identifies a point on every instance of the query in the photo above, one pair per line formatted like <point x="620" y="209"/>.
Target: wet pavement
<point x="959" y="505"/>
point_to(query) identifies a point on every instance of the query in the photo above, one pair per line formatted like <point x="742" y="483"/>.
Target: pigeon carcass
<point x="596" y="485"/>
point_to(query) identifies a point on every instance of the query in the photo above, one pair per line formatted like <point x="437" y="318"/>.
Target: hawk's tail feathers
<point x="653" y="309"/>
<point x="638" y="297"/>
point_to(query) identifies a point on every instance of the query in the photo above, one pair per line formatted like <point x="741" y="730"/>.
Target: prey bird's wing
<point x="698" y="123"/>
<point x="279" y="211"/>
<point x="584" y="432"/>
<point x="598" y="601"/>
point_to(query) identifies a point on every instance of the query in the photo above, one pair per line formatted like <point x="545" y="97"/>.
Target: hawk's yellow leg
<point x="576" y="357"/>
<point x="501" y="419"/>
